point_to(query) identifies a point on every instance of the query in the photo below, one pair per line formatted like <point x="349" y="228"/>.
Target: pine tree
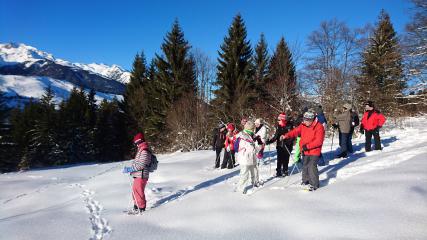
<point x="382" y="71"/>
<point x="261" y="64"/>
<point x="74" y="134"/>
<point x="7" y="148"/>
<point x="43" y="148"/>
<point x="174" y="80"/>
<point x="134" y="96"/>
<point x="282" y="81"/>
<point x="175" y="68"/>
<point x="111" y="141"/>
<point x="235" y="73"/>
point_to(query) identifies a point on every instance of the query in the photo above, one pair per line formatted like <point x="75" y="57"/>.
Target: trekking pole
<point x="133" y="201"/>
<point x="295" y="163"/>
<point x="332" y="144"/>
<point x="293" y="168"/>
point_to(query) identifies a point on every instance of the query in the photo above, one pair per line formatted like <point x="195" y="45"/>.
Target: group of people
<point x="246" y="147"/>
<point x="306" y="134"/>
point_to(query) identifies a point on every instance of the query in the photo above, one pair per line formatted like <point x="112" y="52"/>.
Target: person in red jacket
<point x="230" y="138"/>
<point x="312" y="134"/>
<point x="372" y="121"/>
<point x="140" y="173"/>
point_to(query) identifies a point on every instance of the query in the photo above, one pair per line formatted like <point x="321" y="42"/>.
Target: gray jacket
<point x="344" y="121"/>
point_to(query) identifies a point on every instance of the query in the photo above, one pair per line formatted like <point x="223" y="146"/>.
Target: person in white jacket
<point x="260" y="138"/>
<point x="246" y="156"/>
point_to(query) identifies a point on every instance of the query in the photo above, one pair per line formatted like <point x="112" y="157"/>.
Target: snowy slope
<point x="22" y="87"/>
<point x="380" y="195"/>
<point x="13" y="53"/>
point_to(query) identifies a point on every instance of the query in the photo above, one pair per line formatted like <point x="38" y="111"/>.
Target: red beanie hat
<point x="139" y="137"/>
<point x="282" y="117"/>
<point x="230" y="127"/>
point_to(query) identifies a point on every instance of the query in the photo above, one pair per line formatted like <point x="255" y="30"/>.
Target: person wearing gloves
<point x="372" y="121"/>
<point x="229" y="157"/>
<point x="260" y="137"/>
<point x="312" y="135"/>
<point x="343" y="123"/>
<point x="140" y="173"/>
<point x="283" y="147"/>
<point x="218" y="142"/>
<point x="246" y="157"/>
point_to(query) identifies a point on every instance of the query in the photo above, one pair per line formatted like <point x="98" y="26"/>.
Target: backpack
<point x="236" y="145"/>
<point x="153" y="163"/>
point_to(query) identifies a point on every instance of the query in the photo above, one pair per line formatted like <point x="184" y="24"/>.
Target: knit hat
<point x="370" y="103"/>
<point x="282" y="117"/>
<point x="139" y="137"/>
<point x="249" y="125"/>
<point x="347" y="106"/>
<point x="230" y="127"/>
<point x="221" y="125"/>
<point x="259" y="121"/>
<point x="309" y="115"/>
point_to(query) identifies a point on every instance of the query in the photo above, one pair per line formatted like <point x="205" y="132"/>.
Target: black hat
<point x="370" y="103"/>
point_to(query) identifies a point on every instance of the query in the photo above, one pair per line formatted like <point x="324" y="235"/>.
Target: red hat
<point x="230" y="127"/>
<point x="282" y="117"/>
<point x="139" y="137"/>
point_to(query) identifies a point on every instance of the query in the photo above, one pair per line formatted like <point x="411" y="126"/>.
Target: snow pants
<point x="344" y="137"/>
<point x="218" y="157"/>
<point x="246" y="171"/>
<point x="310" y="174"/>
<point x="229" y="160"/>
<point x="368" y="135"/>
<point x="283" y="159"/>
<point x="138" y="190"/>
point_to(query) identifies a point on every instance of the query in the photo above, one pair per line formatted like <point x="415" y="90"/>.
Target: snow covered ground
<point x="379" y="195"/>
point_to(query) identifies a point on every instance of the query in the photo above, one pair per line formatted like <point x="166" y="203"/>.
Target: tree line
<point x="181" y="94"/>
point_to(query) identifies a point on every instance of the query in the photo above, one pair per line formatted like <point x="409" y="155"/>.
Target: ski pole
<point x="332" y="144"/>
<point x="133" y="194"/>
<point x="295" y="163"/>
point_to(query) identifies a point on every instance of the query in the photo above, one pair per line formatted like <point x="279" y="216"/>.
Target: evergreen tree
<point x="23" y="123"/>
<point x="43" y="148"/>
<point x="235" y="78"/>
<point x="111" y="141"/>
<point x="7" y="148"/>
<point x="173" y="81"/>
<point x="74" y="134"/>
<point x="134" y="97"/>
<point x="175" y="68"/>
<point x="261" y="64"/>
<point x="382" y="71"/>
<point x="282" y="83"/>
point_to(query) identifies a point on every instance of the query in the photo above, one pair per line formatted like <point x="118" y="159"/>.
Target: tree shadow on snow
<point x="332" y="170"/>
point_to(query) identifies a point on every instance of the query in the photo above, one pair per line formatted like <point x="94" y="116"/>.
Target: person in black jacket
<point x="218" y="142"/>
<point x="284" y="147"/>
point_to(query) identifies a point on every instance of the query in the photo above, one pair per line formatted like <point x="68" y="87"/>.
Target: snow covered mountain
<point x="23" y="61"/>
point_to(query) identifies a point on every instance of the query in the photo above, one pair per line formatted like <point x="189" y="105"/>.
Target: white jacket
<point x="248" y="149"/>
<point x="262" y="133"/>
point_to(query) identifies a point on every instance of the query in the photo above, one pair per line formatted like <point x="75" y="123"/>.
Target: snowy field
<point x="379" y="195"/>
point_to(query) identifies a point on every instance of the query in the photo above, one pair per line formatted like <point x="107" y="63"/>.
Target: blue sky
<point x="112" y="32"/>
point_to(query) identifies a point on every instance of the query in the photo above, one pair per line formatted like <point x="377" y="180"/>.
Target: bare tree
<point x="332" y="61"/>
